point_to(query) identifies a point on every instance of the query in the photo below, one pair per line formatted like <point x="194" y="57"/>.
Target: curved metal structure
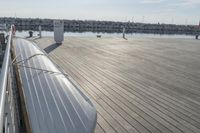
<point x="54" y="104"/>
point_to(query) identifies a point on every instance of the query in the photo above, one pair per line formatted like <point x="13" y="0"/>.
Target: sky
<point x="147" y="11"/>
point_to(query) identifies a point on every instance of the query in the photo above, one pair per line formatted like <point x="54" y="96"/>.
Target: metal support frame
<point x="3" y="80"/>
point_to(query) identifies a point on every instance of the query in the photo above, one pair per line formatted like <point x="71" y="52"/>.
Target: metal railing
<point x="3" y="80"/>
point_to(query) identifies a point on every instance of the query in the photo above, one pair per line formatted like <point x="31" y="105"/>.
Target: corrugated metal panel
<point x="54" y="104"/>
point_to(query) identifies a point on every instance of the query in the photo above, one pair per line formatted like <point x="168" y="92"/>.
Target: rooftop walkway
<point x="139" y="85"/>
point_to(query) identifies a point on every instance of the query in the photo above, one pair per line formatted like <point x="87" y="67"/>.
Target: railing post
<point x="6" y="123"/>
<point x="3" y="80"/>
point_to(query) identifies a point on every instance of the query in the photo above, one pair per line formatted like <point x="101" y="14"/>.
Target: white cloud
<point x="190" y="3"/>
<point x="151" y="1"/>
<point x="186" y="4"/>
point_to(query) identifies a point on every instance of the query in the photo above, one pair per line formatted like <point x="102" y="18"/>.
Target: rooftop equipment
<point x="124" y="32"/>
<point x="53" y="101"/>
<point x="40" y="31"/>
<point x="30" y="33"/>
<point x="59" y="31"/>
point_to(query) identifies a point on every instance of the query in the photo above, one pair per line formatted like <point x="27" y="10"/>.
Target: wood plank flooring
<point x="139" y="85"/>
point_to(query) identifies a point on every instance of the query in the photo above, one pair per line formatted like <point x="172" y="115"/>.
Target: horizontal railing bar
<point x="3" y="80"/>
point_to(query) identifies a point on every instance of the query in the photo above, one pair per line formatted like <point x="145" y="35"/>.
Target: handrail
<point x="3" y="80"/>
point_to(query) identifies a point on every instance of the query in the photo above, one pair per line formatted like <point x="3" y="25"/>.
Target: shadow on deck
<point x="51" y="47"/>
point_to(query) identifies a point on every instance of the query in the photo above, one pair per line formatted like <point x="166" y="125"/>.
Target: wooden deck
<point x="139" y="85"/>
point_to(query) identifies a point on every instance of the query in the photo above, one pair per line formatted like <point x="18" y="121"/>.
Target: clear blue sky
<point x="152" y="11"/>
